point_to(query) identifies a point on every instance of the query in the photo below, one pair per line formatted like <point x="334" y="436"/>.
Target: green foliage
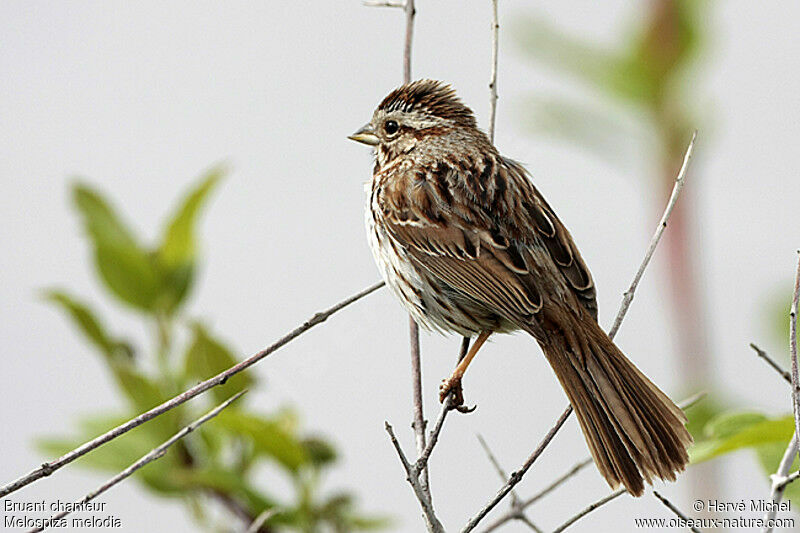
<point x="731" y="431"/>
<point x="222" y="457"/>
<point x="645" y="73"/>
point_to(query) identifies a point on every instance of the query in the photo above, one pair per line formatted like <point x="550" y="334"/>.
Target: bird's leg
<point x="453" y="383"/>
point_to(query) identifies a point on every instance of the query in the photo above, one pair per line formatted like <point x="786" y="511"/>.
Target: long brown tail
<point x="634" y="431"/>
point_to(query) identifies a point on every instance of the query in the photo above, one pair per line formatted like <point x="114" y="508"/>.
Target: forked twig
<point x="517" y="506"/>
<point x="151" y="456"/>
<point x="781" y="478"/>
<point x="412" y="476"/>
<point x="517" y="476"/>
<point x="48" y="468"/>
<point x="685" y="404"/>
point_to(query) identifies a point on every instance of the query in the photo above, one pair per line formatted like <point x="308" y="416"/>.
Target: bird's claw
<point x="451" y="387"/>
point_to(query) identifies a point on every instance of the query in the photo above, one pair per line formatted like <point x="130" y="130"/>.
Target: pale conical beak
<point x="365" y="135"/>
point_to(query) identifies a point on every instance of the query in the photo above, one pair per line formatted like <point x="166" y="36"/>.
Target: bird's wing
<point x="485" y="237"/>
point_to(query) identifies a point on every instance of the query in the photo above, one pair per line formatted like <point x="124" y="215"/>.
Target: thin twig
<point x="384" y="4"/>
<point x="151" y="456"/>
<point x="685" y="404"/>
<point x="793" y="349"/>
<point x="771" y="362"/>
<point x="493" y="77"/>
<point x="48" y="468"/>
<point x="517" y="476"/>
<point x="539" y="495"/>
<point x="599" y="503"/>
<point x="517" y="507"/>
<point x="410" y="11"/>
<point x="413" y="478"/>
<point x="780" y="480"/>
<point x="662" y="225"/>
<point x="498" y="467"/>
<point x="419" y="424"/>
<point x="675" y="510"/>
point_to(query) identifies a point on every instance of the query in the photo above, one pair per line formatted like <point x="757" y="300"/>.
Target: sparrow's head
<point x="415" y="112"/>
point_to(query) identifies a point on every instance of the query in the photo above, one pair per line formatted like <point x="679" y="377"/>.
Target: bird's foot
<point x="451" y="387"/>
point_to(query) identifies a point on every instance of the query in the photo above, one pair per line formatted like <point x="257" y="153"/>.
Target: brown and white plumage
<point x="468" y="245"/>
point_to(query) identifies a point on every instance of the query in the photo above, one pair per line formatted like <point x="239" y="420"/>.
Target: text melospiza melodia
<point x="468" y="245"/>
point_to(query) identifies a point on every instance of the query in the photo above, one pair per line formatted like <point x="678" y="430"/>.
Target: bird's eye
<point x="391" y="127"/>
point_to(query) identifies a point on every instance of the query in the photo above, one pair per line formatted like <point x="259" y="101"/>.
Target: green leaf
<point x="207" y="357"/>
<point x="321" y="452"/>
<point x="179" y="246"/>
<point x="124" y="266"/>
<point x="88" y="324"/>
<point x="268" y="436"/>
<point x="727" y="425"/>
<point x="613" y="73"/>
<point x="178" y="249"/>
<point x="737" y="432"/>
<point x="338" y="511"/>
<point x="225" y="482"/>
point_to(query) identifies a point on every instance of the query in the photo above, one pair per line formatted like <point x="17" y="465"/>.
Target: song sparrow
<point x="468" y="245"/>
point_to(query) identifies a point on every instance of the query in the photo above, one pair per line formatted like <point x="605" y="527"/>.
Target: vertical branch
<point x="493" y="78"/>
<point x="408" y="7"/>
<point x="793" y="349"/>
<point x="780" y="478"/>
<point x="780" y="481"/>
<point x="419" y="424"/>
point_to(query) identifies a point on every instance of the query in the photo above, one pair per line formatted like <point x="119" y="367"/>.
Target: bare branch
<point x="48" y="468"/>
<point x="419" y="424"/>
<point x="662" y="225"/>
<point x="151" y="456"/>
<point x="539" y="495"/>
<point x="781" y="478"/>
<point x="517" y="509"/>
<point x="496" y="464"/>
<point x="780" y="481"/>
<point x="517" y="476"/>
<point x="771" y="362"/>
<point x="401" y="5"/>
<point x="410" y="11"/>
<point x="675" y="510"/>
<point x="685" y="404"/>
<point x="493" y="77"/>
<point x="596" y="505"/>
<point x="793" y="349"/>
<point x="412" y="476"/>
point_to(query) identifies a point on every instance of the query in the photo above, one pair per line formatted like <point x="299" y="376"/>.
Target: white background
<point x="140" y="97"/>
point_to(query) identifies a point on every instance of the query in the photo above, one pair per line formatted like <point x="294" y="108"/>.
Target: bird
<point x="469" y="246"/>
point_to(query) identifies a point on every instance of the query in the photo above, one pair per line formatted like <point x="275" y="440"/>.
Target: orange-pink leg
<point x="453" y="383"/>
